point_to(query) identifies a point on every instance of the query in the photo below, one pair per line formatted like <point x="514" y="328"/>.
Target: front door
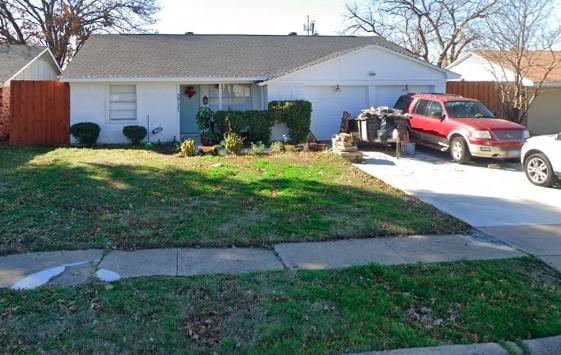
<point x="189" y="103"/>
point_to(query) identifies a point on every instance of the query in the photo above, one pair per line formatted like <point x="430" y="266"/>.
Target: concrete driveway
<point x="496" y="199"/>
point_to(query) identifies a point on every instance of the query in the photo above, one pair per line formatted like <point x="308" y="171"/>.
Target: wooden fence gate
<point x="39" y="113"/>
<point x="485" y="91"/>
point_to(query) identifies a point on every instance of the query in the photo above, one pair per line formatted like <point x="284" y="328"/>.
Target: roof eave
<point x="32" y="61"/>
<point x="330" y="57"/>
<point x="190" y="80"/>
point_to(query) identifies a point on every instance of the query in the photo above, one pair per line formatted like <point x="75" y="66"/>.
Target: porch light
<point x="337" y="88"/>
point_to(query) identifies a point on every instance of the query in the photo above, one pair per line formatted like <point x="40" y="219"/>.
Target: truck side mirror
<point x="442" y="117"/>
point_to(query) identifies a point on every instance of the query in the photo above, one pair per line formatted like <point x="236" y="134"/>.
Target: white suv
<point x="541" y="158"/>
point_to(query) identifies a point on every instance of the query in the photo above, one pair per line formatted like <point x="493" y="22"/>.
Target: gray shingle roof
<point x="15" y="57"/>
<point x="208" y="56"/>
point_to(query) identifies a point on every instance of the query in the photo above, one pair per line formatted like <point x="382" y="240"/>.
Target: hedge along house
<point x="21" y="62"/>
<point x="163" y="80"/>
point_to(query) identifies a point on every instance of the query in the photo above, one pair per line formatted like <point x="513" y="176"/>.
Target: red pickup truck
<point x="463" y="126"/>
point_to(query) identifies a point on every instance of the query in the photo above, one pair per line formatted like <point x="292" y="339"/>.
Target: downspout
<point x="219" y="97"/>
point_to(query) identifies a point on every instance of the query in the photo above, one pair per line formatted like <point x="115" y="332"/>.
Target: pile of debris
<point x="379" y="123"/>
<point x="344" y="146"/>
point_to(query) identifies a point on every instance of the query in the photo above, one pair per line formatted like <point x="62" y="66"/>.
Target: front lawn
<point x="351" y="310"/>
<point x="71" y="198"/>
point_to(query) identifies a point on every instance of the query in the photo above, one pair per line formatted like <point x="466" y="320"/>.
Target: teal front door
<point x="189" y="103"/>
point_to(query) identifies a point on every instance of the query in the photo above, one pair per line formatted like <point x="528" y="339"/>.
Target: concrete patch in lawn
<point x="35" y="269"/>
<point x="338" y="254"/>
<point x="225" y="261"/>
<point x="538" y="239"/>
<point x="444" y="248"/>
<point x="149" y="262"/>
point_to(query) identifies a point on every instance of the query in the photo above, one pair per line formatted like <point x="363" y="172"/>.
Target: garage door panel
<point x="328" y="106"/>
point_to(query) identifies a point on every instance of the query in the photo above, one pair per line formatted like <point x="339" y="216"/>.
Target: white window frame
<point x="108" y="107"/>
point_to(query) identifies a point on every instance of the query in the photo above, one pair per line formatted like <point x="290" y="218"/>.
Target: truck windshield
<point x="468" y="109"/>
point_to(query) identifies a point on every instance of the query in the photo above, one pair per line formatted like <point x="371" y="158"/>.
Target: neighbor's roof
<point x="14" y="57"/>
<point x="209" y="56"/>
<point x="535" y="64"/>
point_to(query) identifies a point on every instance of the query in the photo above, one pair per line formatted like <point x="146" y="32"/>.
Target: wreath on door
<point x="190" y="91"/>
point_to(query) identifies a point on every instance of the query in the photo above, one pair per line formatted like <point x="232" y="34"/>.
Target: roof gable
<point x="259" y="57"/>
<point x="13" y="58"/>
<point x="534" y="66"/>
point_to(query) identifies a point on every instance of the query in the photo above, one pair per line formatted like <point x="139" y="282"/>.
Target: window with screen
<point x="122" y="103"/>
<point x="235" y="97"/>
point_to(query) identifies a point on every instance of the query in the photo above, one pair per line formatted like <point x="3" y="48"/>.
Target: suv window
<point x="403" y="103"/>
<point x="434" y="109"/>
<point x="421" y="107"/>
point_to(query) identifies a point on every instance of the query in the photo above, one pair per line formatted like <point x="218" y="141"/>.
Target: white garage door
<point x="387" y="95"/>
<point x="328" y="106"/>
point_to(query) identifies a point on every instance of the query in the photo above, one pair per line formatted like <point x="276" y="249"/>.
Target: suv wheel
<point x="539" y="170"/>
<point x="459" y="150"/>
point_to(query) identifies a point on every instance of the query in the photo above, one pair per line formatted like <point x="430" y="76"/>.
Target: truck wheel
<point x="459" y="150"/>
<point x="538" y="170"/>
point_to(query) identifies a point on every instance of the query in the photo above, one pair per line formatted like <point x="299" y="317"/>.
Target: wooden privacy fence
<point x="485" y="91"/>
<point x="39" y="113"/>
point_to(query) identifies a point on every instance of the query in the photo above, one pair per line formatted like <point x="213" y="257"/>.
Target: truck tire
<point x="539" y="171"/>
<point x="459" y="151"/>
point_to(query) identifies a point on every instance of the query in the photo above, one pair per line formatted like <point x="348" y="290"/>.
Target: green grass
<point x="71" y="198"/>
<point x="351" y="310"/>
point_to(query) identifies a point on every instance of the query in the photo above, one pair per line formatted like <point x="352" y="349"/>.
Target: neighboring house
<point x="544" y="115"/>
<point x="21" y="62"/>
<point x="118" y="80"/>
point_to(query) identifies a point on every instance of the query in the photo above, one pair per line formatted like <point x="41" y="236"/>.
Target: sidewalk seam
<point x="407" y="260"/>
<point x="279" y="257"/>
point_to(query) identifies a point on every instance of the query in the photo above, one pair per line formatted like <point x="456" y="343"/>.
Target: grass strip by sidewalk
<point x="336" y="311"/>
<point x="70" y="198"/>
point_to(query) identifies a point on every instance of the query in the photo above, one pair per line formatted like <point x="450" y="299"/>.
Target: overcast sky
<point x="250" y="16"/>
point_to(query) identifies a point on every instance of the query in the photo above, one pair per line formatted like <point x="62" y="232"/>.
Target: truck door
<point x="418" y="120"/>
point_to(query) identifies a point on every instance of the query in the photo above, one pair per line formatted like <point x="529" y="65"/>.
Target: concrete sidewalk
<point x="540" y="346"/>
<point x="25" y="271"/>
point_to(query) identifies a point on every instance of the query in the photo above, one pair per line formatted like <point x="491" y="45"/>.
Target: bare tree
<point x="64" y="25"/>
<point x="436" y="30"/>
<point x="522" y="38"/>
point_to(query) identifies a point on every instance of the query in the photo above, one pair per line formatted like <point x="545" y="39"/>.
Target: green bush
<point x="205" y="117"/>
<point x="187" y="148"/>
<point x="135" y="133"/>
<point x="277" y="147"/>
<point x="85" y="132"/>
<point x="233" y="142"/>
<point x="257" y="149"/>
<point x="257" y="124"/>
<point x="296" y="114"/>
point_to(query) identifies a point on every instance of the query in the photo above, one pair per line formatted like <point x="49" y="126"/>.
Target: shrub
<point x="85" y="132"/>
<point x="233" y="142"/>
<point x="296" y="114"/>
<point x="257" y="124"/>
<point x="205" y="118"/>
<point x="135" y="133"/>
<point x="257" y="149"/>
<point x="277" y="147"/>
<point x="187" y="148"/>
